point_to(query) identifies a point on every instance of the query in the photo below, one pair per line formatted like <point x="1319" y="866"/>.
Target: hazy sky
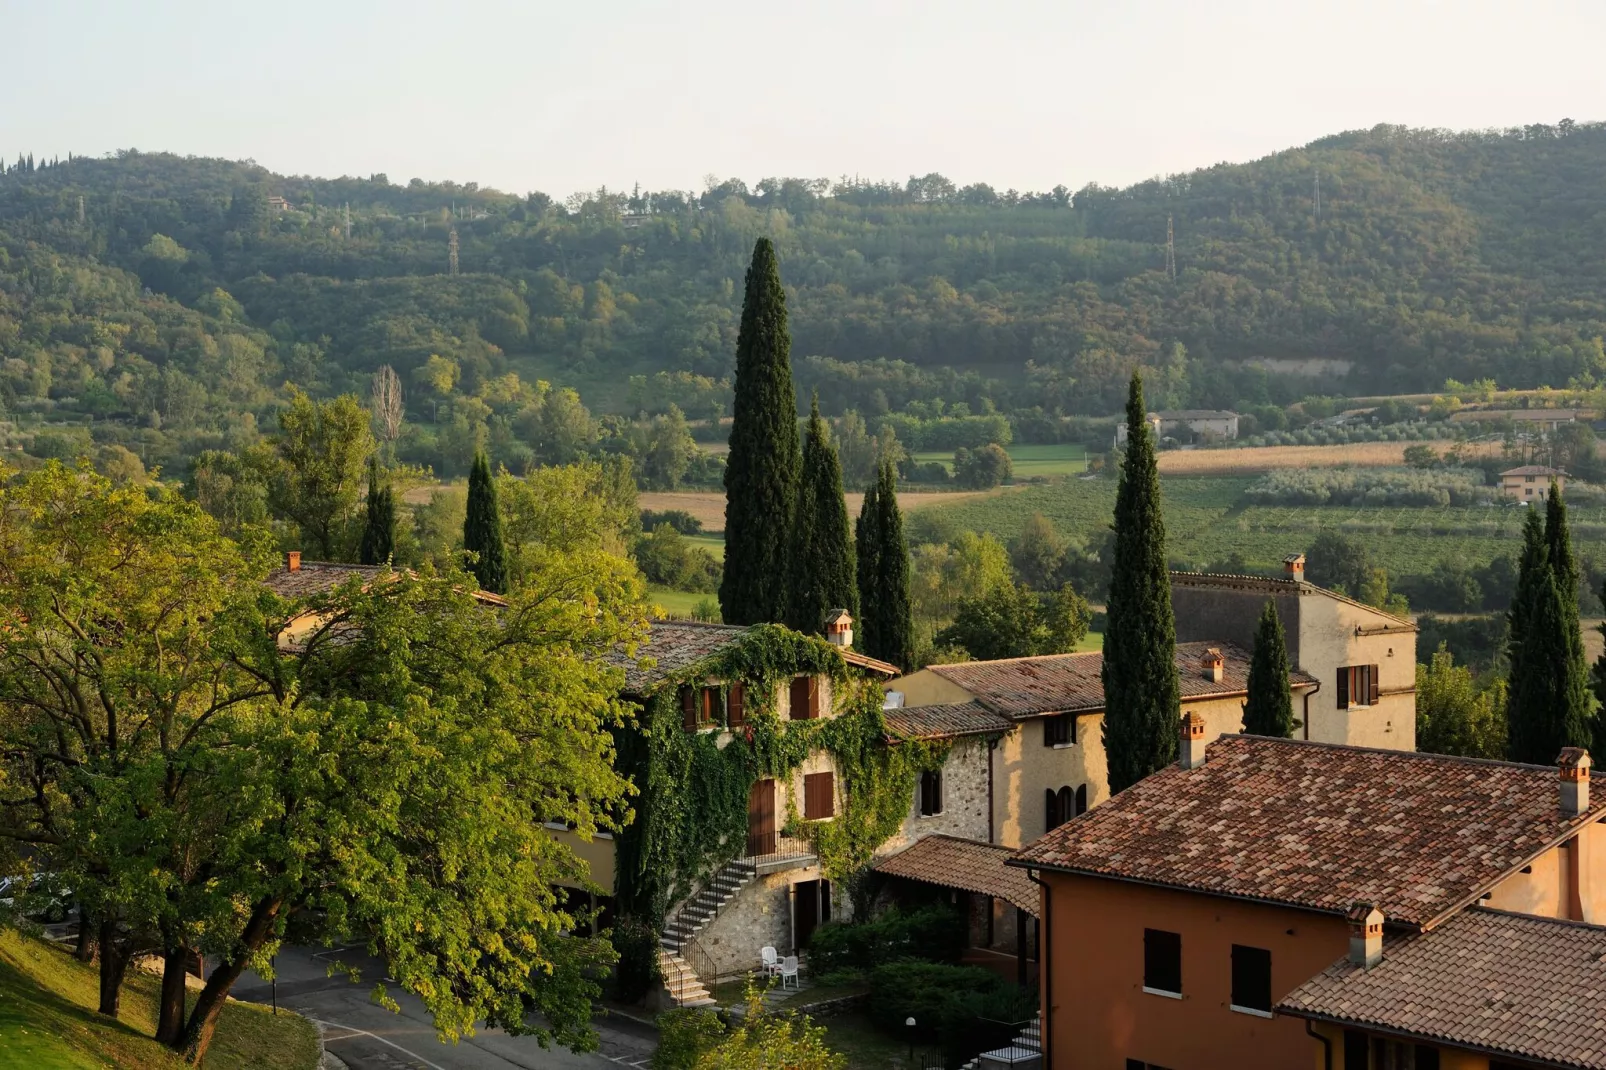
<point x="561" y="97"/>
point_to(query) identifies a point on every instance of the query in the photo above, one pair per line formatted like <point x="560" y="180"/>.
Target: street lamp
<point x="910" y="1022"/>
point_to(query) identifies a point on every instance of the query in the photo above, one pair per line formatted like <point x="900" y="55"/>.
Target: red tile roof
<point x="1531" y="988"/>
<point x="674" y="645"/>
<point x="1321" y="826"/>
<point x="316" y="577"/>
<point x="943" y="722"/>
<point x="1060" y="683"/>
<point x="969" y="865"/>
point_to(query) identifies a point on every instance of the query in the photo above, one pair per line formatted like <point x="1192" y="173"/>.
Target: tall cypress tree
<point x="1269" y="708"/>
<point x="1141" y="690"/>
<point x="761" y="472"/>
<point x="379" y="524"/>
<point x="886" y="623"/>
<point x="482" y="529"/>
<point x="823" y="576"/>
<point x="1548" y="705"/>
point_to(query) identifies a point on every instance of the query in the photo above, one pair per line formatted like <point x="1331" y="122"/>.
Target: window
<point x="1357" y="686"/>
<point x="1081" y="800"/>
<point x="1251" y="979"/>
<point x="1162" y="963"/>
<point x="805" y="698"/>
<point x="930" y="793"/>
<point x="699" y="707"/>
<point x="1058" y="807"/>
<point x="1355" y="1050"/>
<point x="1395" y="1055"/>
<point x="1059" y="730"/>
<point x="819" y="796"/>
<point x="735" y="711"/>
<point x="688" y="708"/>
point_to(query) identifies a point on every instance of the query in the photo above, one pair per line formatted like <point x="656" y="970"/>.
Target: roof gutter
<point x="1327" y="1045"/>
<point x="1421" y="1038"/>
<point x="1308" y="694"/>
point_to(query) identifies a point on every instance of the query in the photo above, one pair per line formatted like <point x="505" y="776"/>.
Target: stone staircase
<point x="1024" y="1052"/>
<point x="677" y="951"/>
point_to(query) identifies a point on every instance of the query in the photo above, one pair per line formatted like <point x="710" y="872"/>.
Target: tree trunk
<point x="85" y="951"/>
<point x="197" y="1034"/>
<point x="170" y="1018"/>
<point x="113" y="966"/>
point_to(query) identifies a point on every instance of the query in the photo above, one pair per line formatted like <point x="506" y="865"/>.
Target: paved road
<point x="369" y="1037"/>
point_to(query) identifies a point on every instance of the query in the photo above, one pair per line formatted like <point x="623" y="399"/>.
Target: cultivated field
<point x="1265" y="458"/>
<point x="1029" y="462"/>
<point x="709" y="506"/>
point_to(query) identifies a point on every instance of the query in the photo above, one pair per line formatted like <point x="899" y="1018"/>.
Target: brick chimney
<point x="1294" y="566"/>
<point x="1365" y="935"/>
<point x="839" y="629"/>
<point x="292" y="560"/>
<point x="1192" y="752"/>
<point x="1212" y="665"/>
<point x="1574" y="762"/>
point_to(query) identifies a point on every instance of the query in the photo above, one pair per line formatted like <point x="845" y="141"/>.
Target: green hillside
<point x="48" y="1021"/>
<point x="168" y="299"/>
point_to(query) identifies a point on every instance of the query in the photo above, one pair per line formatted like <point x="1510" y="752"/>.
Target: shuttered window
<point x="735" y="712"/>
<point x="1357" y="686"/>
<point x="1081" y="800"/>
<point x="805" y="696"/>
<point x="1251" y="978"/>
<point x="930" y="793"/>
<point x="1162" y="961"/>
<point x="688" y="708"/>
<point x="819" y="796"/>
<point x="1059" y="730"/>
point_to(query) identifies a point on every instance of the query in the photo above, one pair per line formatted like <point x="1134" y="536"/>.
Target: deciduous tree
<point x="317" y="470"/>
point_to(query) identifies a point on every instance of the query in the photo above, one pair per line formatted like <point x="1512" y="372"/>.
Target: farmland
<point x="1029" y="462"/>
<point x="1265" y="458"/>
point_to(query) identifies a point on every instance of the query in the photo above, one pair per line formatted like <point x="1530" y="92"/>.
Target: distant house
<point x="1273" y="903"/>
<point x="1531" y="482"/>
<point x="279" y="204"/>
<point x="1207" y="425"/>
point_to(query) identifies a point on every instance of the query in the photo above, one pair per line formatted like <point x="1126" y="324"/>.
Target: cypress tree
<point x="1548" y="703"/>
<point x="823" y="576"/>
<point x="1269" y="709"/>
<point x="482" y="529"/>
<point x="379" y="525"/>
<point x="886" y="625"/>
<point x="1141" y="690"/>
<point x="761" y="472"/>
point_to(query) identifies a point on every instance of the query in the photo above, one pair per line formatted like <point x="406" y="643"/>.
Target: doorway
<point x="811" y="908"/>
<point x="761" y="818"/>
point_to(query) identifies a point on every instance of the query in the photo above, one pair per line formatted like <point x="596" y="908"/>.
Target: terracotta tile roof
<point x="1057" y="683"/>
<point x="969" y="865"/>
<point x="1533" y="470"/>
<point x="1533" y="988"/>
<point x="943" y="722"/>
<point x="316" y="577"/>
<point x="673" y="645"/>
<point x="865" y="661"/>
<point x="1321" y="826"/>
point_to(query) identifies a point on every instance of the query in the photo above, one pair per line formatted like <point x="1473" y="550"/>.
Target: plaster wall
<point x="596" y="853"/>
<point x="1328" y="640"/>
<point x="759" y="916"/>
<point x="926" y="688"/>
<point x="1449" y="1058"/>
<point x="1567" y="882"/>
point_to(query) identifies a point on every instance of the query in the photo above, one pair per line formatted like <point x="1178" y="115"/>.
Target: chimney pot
<point x="1294" y="566"/>
<point x="1365" y="935"/>
<point x="1213" y="665"/>
<point x="1192" y="751"/>
<point x="839" y="628"/>
<point x="1574" y="763"/>
<point x="292" y="561"/>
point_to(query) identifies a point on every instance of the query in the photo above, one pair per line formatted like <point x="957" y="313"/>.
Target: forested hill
<point x="1434" y="255"/>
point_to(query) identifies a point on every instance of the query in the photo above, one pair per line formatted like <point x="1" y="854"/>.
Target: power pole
<point x="1318" y="196"/>
<point x="348" y="220"/>
<point x="80" y="209"/>
<point x="451" y="252"/>
<point x="1170" y="250"/>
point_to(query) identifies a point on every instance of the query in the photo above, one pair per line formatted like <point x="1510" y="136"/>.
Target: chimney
<point x="1193" y="741"/>
<point x="1294" y="566"/>
<point x="839" y="629"/>
<point x="1365" y="935"/>
<point x="1212" y="665"/>
<point x="1574" y="762"/>
<point x="292" y="560"/>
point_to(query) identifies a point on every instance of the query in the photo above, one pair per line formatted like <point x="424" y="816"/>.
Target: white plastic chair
<point x="789" y="969"/>
<point x="769" y="961"/>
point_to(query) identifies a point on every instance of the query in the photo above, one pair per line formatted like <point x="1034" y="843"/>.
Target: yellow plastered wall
<point x="926" y="688"/>
<point x="596" y="853"/>
<point x="1328" y="640"/>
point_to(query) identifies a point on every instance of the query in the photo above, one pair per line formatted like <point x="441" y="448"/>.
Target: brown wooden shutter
<point x="706" y="712"/>
<point x="819" y="796"/>
<point x="735" y="714"/>
<point x="814" y="697"/>
<point x="1371" y="673"/>
<point x="1343" y="688"/>
<point x="688" y="708"/>
<point x="800" y="698"/>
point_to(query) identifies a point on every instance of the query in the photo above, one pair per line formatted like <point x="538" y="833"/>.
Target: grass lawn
<point x="1029" y="462"/>
<point x="48" y="1020"/>
<point x="866" y="1047"/>
<point x="676" y="603"/>
<point x="714" y="544"/>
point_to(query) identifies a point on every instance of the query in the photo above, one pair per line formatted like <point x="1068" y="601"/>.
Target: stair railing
<point x="701" y="963"/>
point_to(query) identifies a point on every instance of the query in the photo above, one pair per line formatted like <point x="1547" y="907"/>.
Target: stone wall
<point x="964" y="800"/>
<point x="759" y="916"/>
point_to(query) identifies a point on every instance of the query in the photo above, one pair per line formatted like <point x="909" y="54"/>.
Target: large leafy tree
<point x="316" y="472"/>
<point x="822" y="566"/>
<point x="383" y="779"/>
<point x="482" y="529"/>
<point x="886" y="624"/>
<point x="761" y="472"/>
<point x="1269" y="706"/>
<point x="1141" y="690"/>
<point x="1548" y="702"/>
<point x="1457" y="715"/>
<point x="1013" y="621"/>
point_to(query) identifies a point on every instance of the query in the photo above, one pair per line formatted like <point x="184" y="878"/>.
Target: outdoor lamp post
<point x="910" y="1022"/>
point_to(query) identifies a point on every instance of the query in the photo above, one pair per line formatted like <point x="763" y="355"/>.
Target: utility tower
<point x="1170" y="250"/>
<point x="1318" y="196"/>
<point x="451" y="252"/>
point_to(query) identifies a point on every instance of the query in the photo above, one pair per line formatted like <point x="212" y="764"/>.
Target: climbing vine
<point x="691" y="806"/>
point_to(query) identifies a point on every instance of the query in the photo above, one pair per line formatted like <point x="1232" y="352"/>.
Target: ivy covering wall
<point x="690" y="813"/>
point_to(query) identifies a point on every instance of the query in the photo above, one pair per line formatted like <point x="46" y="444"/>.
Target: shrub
<point x="637" y="968"/>
<point x="925" y="991"/>
<point x="678" y="519"/>
<point x="666" y="557"/>
<point x="936" y="933"/>
<point x="982" y="469"/>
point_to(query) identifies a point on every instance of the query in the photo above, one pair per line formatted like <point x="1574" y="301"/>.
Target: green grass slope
<point x="48" y="1020"/>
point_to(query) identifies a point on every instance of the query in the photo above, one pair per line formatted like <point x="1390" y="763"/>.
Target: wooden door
<point x="761" y="818"/>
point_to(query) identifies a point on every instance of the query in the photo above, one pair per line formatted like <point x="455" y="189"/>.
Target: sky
<point x="534" y="95"/>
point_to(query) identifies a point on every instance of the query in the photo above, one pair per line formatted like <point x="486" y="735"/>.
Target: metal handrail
<point x="698" y="960"/>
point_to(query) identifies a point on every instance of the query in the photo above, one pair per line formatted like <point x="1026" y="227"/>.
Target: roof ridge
<point x="1028" y="657"/>
<point x="1388" y="751"/>
<point x="1537" y="919"/>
